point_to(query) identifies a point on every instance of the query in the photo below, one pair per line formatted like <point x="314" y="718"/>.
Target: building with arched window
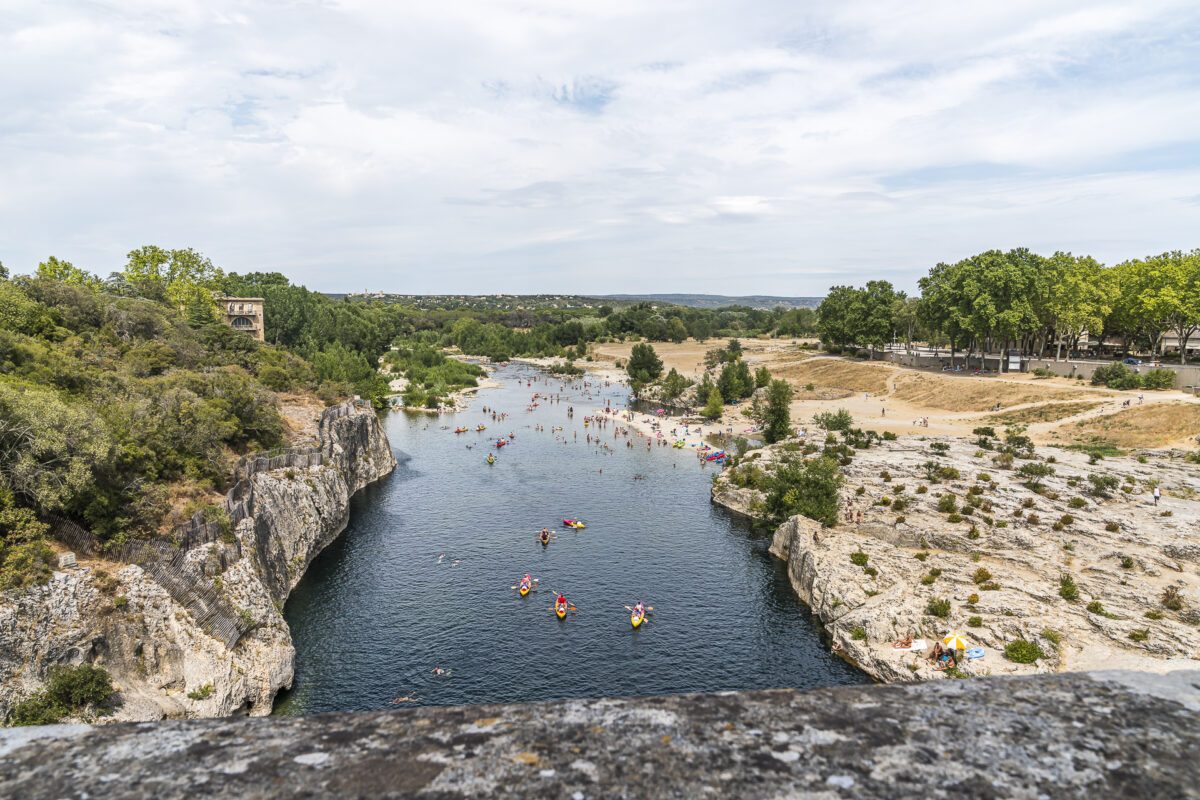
<point x="243" y="314"/>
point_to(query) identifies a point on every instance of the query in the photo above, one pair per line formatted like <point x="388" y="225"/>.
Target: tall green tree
<point x="644" y="364"/>
<point x="66" y="272"/>
<point x="778" y="417"/>
<point x="836" y="322"/>
<point x="1078" y="298"/>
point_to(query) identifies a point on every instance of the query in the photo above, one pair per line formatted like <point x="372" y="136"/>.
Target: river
<point x="421" y="577"/>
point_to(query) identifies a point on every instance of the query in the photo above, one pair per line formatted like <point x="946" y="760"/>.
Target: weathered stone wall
<point x="1080" y="735"/>
<point x="156" y="651"/>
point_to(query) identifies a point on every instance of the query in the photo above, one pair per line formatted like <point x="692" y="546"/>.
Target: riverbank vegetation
<point x="1021" y="300"/>
<point x="431" y="374"/>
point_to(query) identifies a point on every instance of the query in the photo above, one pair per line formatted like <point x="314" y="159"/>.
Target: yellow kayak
<point x="561" y="611"/>
<point x="636" y="619"/>
<point x="524" y="589"/>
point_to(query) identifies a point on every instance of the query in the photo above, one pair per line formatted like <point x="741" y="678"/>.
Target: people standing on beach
<point x="1157" y="495"/>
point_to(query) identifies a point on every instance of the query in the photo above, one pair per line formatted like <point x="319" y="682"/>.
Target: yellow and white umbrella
<point x="955" y="642"/>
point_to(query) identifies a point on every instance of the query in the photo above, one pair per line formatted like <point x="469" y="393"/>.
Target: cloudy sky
<point x="617" y="146"/>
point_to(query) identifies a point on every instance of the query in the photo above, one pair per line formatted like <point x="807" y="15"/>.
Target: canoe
<point x="636" y="619"/>
<point x="560" y="610"/>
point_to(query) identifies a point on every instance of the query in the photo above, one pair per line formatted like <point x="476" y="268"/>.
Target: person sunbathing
<point x="902" y="644"/>
<point x="936" y="655"/>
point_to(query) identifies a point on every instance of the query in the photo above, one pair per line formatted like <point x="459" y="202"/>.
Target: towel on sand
<point x="918" y="644"/>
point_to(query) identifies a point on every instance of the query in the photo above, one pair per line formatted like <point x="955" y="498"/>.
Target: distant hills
<point x="765" y="301"/>
<point x="574" y="301"/>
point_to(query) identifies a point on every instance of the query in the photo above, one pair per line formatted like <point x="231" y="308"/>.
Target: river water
<point x="421" y="577"/>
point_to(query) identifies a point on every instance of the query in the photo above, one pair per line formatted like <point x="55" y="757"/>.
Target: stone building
<point x="243" y="314"/>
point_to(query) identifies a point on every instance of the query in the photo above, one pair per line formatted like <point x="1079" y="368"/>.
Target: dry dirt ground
<point x="887" y="397"/>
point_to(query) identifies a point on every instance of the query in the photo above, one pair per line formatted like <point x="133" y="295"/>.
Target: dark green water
<point x="381" y="607"/>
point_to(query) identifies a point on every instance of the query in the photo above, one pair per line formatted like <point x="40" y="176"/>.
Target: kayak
<point x="573" y="523"/>
<point x="460" y="430"/>
<point x="637" y="618"/>
<point x="480" y="428"/>
<point x="715" y="456"/>
<point x="501" y="442"/>
<point x="561" y="610"/>
<point x="491" y="459"/>
<point x="524" y="589"/>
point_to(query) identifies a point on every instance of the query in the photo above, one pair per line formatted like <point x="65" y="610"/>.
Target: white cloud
<point x="535" y="145"/>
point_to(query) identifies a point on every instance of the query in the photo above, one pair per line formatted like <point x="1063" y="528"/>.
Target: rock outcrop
<point x="1001" y="561"/>
<point x="163" y="661"/>
<point x="1082" y="735"/>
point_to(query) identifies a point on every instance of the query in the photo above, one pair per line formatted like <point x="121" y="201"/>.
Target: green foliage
<point x="1139" y="634"/>
<point x="839" y="420"/>
<point x="1103" y="485"/>
<point x="809" y="488"/>
<point x="25" y="564"/>
<point x="858" y="559"/>
<point x="68" y="690"/>
<point x="938" y="607"/>
<point x="981" y="575"/>
<point x="1159" y="378"/>
<point x="1067" y="588"/>
<point x="714" y="407"/>
<point x="778" y="413"/>
<point x="201" y="692"/>
<point x="674" y="384"/>
<point x="947" y="504"/>
<point x="644" y="364"/>
<point x="1023" y="652"/>
<point x="1035" y="471"/>
<point x="762" y="377"/>
<point x="975" y="622"/>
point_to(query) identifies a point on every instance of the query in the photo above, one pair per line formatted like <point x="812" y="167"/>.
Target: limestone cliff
<point x="999" y="560"/>
<point x="163" y="659"/>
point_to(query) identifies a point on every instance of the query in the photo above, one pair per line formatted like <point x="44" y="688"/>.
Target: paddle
<point x="648" y="608"/>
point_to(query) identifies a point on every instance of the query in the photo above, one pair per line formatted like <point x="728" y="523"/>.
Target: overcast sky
<point x="619" y="146"/>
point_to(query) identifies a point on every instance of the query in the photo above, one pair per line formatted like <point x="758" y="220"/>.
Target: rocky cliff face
<point x="998" y="561"/>
<point x="164" y="661"/>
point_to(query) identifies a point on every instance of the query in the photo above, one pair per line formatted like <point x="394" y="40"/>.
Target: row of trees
<point x="1019" y="299"/>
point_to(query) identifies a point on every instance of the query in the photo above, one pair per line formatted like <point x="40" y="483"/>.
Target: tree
<point x="66" y="272"/>
<point x="3" y="272"/>
<point x="179" y="277"/>
<point x="1171" y="294"/>
<point x="644" y="364"/>
<point x="762" y="377"/>
<point x="1078" y="298"/>
<point x="835" y="316"/>
<point x="809" y="488"/>
<point x="676" y="331"/>
<point x="872" y="312"/>
<point x="905" y="316"/>
<point x="778" y="414"/>
<point x="715" y="405"/>
<point x="1035" y="471"/>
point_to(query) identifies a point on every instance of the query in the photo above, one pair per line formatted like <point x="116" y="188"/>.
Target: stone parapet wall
<point x="1081" y="735"/>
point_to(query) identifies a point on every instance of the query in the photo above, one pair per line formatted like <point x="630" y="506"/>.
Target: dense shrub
<point x="809" y="488"/>
<point x="938" y="607"/>
<point x="839" y="420"/>
<point x="1067" y="588"/>
<point x="67" y="691"/>
<point x="858" y="559"/>
<point x="1023" y="652"/>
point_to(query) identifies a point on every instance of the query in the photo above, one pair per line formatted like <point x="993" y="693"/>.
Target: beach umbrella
<point x="955" y="642"/>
